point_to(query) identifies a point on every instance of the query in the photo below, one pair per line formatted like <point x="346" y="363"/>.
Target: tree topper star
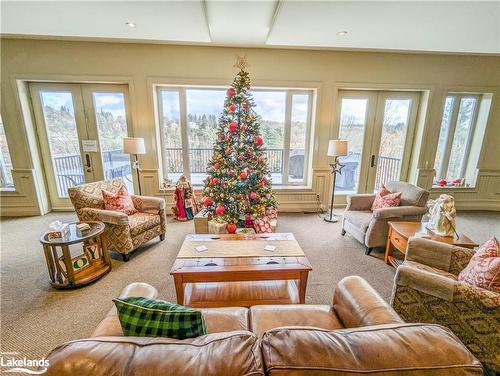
<point x="241" y="62"/>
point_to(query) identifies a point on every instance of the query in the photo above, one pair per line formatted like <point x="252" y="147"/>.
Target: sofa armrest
<point x="148" y="203"/>
<point x="110" y="325"/>
<point x="437" y="254"/>
<point x="399" y="212"/>
<point x="356" y="303"/>
<point x="395" y="349"/>
<point x="106" y="216"/>
<point x="360" y="201"/>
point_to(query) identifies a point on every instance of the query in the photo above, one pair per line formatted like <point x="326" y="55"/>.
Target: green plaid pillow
<point x="145" y="317"/>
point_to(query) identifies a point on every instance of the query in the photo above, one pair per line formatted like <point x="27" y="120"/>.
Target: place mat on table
<point x="240" y="248"/>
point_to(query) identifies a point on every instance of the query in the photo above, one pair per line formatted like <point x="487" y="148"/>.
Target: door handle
<point x="88" y="163"/>
<point x="372" y="161"/>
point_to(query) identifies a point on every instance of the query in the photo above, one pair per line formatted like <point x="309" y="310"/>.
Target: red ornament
<point x="442" y="182"/>
<point x="228" y="151"/>
<point x="207" y="201"/>
<point x="264" y="181"/>
<point x="214" y="181"/>
<point x="216" y="165"/>
<point x="240" y="157"/>
<point x="230" y="92"/>
<point x="232" y="126"/>
<point x="243" y="175"/>
<point x="231" y="228"/>
<point x="250" y="154"/>
<point x="259" y="140"/>
<point x="253" y="196"/>
<point x="231" y="108"/>
<point x="219" y="210"/>
<point x="243" y="127"/>
<point x="222" y="136"/>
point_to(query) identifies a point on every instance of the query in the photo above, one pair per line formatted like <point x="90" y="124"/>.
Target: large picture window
<point x="5" y="162"/>
<point x="188" y="118"/>
<point x="455" y="138"/>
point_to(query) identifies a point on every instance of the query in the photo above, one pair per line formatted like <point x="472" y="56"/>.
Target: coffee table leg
<point x="179" y="289"/>
<point x="302" y="287"/>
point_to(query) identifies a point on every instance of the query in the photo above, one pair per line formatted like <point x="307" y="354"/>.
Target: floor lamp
<point x="135" y="146"/>
<point x="336" y="148"/>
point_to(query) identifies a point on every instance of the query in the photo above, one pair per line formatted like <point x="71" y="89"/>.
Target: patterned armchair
<point x="426" y="290"/>
<point x="370" y="227"/>
<point x="124" y="233"/>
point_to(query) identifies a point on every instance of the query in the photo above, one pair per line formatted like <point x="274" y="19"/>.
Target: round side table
<point x="66" y="271"/>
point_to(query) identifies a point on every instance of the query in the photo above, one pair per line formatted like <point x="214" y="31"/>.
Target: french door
<point x="379" y="128"/>
<point x="80" y="129"/>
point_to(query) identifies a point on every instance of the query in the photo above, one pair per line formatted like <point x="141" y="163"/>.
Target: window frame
<point x="183" y="124"/>
<point x="444" y="161"/>
<point x="10" y="185"/>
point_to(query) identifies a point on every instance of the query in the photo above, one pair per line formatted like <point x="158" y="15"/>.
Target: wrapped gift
<point x="217" y="227"/>
<point x="58" y="230"/>
<point x="201" y="222"/>
<point x="262" y="225"/>
<point x="272" y="213"/>
<point x="274" y="223"/>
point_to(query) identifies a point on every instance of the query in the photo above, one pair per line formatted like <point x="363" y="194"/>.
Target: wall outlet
<point x="317" y="197"/>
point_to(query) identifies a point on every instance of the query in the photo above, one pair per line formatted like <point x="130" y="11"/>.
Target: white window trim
<point x="450" y="134"/>
<point x="183" y="120"/>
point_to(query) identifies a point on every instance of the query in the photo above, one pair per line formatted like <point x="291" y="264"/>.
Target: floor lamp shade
<point x="134" y="145"/>
<point x="337" y="148"/>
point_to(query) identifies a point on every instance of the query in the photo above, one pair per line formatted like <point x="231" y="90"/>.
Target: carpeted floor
<point x="36" y="317"/>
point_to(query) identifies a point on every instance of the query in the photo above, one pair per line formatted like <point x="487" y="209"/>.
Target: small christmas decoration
<point x="231" y="228"/>
<point x="166" y="183"/>
<point x="219" y="210"/>
<point x="442" y="182"/>
<point x="248" y="221"/>
<point x="185" y="200"/>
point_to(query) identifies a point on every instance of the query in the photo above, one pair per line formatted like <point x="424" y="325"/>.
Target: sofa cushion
<point x="411" y="195"/>
<point x="140" y="222"/>
<point x="266" y="317"/>
<point x="397" y="349"/>
<point x="230" y="353"/>
<point x="359" y="218"/>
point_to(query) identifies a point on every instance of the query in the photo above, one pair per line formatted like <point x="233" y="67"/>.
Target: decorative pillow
<point x="483" y="269"/>
<point x="262" y="225"/>
<point x="146" y="317"/>
<point x="121" y="201"/>
<point x="386" y="199"/>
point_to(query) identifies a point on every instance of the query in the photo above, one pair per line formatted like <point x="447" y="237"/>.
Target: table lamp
<point x="336" y="148"/>
<point x="135" y="146"/>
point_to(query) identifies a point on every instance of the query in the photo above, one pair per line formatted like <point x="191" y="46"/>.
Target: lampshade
<point x="133" y="145"/>
<point x="337" y="148"/>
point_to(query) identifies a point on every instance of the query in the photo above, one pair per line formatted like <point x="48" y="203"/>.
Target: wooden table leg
<point x="50" y="262"/>
<point x="104" y="248"/>
<point x="302" y="287"/>
<point x="388" y="246"/>
<point x="68" y="264"/>
<point x="179" y="289"/>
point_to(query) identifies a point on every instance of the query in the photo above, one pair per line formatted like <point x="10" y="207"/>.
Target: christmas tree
<point x="238" y="183"/>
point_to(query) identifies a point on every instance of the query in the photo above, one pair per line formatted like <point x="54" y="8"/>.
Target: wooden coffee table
<point x="237" y="271"/>
<point x="398" y="235"/>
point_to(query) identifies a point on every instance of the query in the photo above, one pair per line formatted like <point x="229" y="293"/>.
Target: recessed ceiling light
<point x="130" y="24"/>
<point x="341" y="33"/>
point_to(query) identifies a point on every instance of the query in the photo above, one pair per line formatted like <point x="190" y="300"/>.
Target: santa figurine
<point x="185" y="200"/>
<point x="248" y="221"/>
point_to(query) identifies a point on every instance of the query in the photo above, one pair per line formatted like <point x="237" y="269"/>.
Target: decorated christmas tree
<point x="238" y="185"/>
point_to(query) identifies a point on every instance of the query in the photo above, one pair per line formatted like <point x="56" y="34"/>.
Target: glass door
<point x="379" y="128"/>
<point x="80" y="129"/>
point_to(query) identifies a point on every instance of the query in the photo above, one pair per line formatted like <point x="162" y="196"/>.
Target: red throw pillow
<point x="121" y="201"/>
<point x="483" y="269"/>
<point x="386" y="199"/>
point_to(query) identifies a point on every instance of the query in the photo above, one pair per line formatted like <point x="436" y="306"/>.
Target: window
<point x="188" y="118"/>
<point x="5" y="162"/>
<point x="458" y="125"/>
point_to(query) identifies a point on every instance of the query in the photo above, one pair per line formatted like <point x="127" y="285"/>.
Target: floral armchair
<point x="426" y="289"/>
<point x="124" y="233"/>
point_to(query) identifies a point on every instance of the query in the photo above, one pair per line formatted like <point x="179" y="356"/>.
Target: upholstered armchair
<point x="370" y="227"/>
<point x="426" y="290"/>
<point x="124" y="233"/>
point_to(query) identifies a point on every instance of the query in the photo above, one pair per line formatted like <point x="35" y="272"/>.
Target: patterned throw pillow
<point x="386" y="199"/>
<point x="146" y="317"/>
<point x="121" y="201"/>
<point x="483" y="269"/>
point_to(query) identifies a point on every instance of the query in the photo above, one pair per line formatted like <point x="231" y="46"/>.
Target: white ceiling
<point x="446" y="26"/>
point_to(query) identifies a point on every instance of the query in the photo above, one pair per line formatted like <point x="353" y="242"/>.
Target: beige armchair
<point x="426" y="290"/>
<point x="370" y="227"/>
<point x="124" y="233"/>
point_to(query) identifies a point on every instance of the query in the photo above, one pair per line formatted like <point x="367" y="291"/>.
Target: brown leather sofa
<point x="359" y="334"/>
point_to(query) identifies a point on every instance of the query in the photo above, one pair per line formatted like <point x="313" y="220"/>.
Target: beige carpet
<point x="35" y="317"/>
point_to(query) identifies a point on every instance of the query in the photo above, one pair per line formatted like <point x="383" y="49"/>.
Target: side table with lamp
<point x="135" y="146"/>
<point x="336" y="148"/>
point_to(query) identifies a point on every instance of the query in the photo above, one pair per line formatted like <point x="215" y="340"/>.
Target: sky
<point x="356" y="108"/>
